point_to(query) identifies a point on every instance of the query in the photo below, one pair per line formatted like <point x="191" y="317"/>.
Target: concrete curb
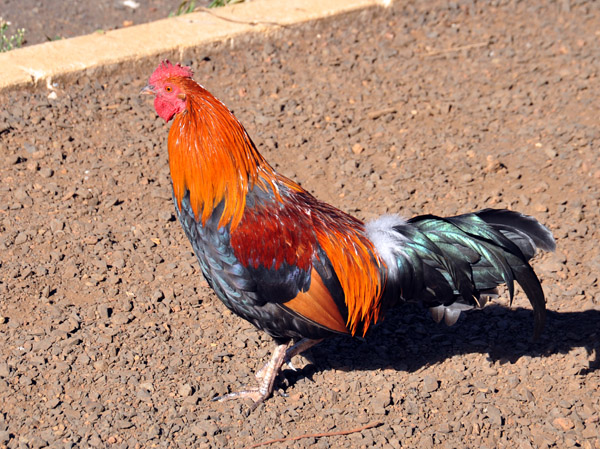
<point x="30" y="65"/>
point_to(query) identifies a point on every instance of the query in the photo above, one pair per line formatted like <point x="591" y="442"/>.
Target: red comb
<point x="167" y="70"/>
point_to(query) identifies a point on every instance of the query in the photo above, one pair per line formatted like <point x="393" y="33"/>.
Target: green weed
<point x="10" y="42"/>
<point x="219" y="3"/>
<point x="185" y="7"/>
<point x="188" y="6"/>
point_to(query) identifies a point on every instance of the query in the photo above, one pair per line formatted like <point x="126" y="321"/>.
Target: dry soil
<point x="109" y="337"/>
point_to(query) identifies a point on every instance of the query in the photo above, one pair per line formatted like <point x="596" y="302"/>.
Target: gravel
<point x="109" y="336"/>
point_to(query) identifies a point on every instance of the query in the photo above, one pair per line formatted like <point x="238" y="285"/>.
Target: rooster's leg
<point x="292" y="351"/>
<point x="299" y="348"/>
<point x="266" y="380"/>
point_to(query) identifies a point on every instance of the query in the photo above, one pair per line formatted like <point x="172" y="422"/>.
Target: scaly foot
<point x="266" y="377"/>
<point x="268" y="373"/>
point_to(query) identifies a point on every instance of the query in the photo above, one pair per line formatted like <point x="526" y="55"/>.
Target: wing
<point x="293" y="243"/>
<point x="277" y="245"/>
<point x="318" y="305"/>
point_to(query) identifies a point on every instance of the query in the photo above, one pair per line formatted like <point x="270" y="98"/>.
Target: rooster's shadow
<point x="408" y="340"/>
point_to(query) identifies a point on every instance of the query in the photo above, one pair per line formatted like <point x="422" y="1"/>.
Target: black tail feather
<point x="455" y="260"/>
<point x="509" y="221"/>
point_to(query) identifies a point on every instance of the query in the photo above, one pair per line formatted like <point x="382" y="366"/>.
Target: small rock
<point x="56" y="225"/>
<point x="489" y="371"/>
<point x="123" y="424"/>
<point x="104" y="311"/>
<point x="147" y="386"/>
<point x="157" y="295"/>
<point x="513" y="381"/>
<point x="444" y="428"/>
<point x="204" y="428"/>
<point x="20" y="238"/>
<point x="166" y="216"/>
<point x="185" y="390"/>
<point x="563" y="423"/>
<point x="53" y="403"/>
<point x="4" y="370"/>
<point x="37" y="443"/>
<point x="45" y="293"/>
<point x="32" y="165"/>
<point x="43" y="345"/>
<point x="357" y="148"/>
<point x="494" y="415"/>
<point x="590" y="432"/>
<point x="46" y="172"/>
<point x="381" y="400"/>
<point x="83" y="359"/>
<point x="4" y="437"/>
<point x="153" y="432"/>
<point x="430" y="384"/>
<point x="12" y="159"/>
<point x="493" y="165"/>
<point x="121" y="318"/>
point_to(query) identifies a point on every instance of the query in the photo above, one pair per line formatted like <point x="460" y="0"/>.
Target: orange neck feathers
<point x="212" y="156"/>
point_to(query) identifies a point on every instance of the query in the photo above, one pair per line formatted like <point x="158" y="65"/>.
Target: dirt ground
<point x="109" y="337"/>
<point x="49" y="20"/>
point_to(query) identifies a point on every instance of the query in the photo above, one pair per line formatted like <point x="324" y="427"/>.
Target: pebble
<point x="357" y="148"/>
<point x="123" y="424"/>
<point x="4" y="369"/>
<point x="185" y="390"/>
<point x="12" y="159"/>
<point x="121" y="318"/>
<point x="563" y="423"/>
<point x="381" y="400"/>
<point x="153" y="432"/>
<point x="21" y="238"/>
<point x="157" y="295"/>
<point x="104" y="311"/>
<point x="46" y="172"/>
<point x="430" y="384"/>
<point x="166" y="216"/>
<point x="4" y="436"/>
<point x="203" y="428"/>
<point x="494" y="415"/>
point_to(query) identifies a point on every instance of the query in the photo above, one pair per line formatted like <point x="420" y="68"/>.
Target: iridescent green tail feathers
<point x="454" y="264"/>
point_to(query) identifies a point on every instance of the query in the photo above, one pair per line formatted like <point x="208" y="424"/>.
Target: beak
<point x="148" y="90"/>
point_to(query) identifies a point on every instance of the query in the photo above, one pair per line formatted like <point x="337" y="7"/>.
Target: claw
<point x="252" y="393"/>
<point x="268" y="373"/>
<point x="288" y="362"/>
<point x="266" y="377"/>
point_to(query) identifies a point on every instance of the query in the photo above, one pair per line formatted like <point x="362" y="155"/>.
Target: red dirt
<point x="110" y="337"/>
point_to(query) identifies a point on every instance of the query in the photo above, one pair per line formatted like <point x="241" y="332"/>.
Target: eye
<point x="168" y="88"/>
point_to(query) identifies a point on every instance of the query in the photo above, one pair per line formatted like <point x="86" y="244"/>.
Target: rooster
<point x="302" y="270"/>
